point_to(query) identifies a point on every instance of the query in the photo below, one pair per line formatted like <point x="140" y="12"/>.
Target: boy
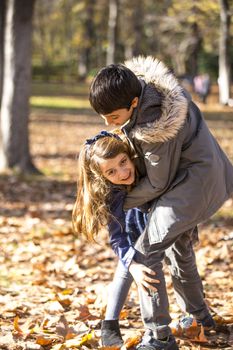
<point x="185" y="176"/>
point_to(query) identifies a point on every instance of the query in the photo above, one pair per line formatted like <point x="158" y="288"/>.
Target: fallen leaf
<point x="16" y="326"/>
<point x="86" y="338"/>
<point x="45" y="340"/>
<point x="63" y="329"/>
<point x="65" y="300"/>
<point x="25" y="329"/>
<point x="201" y="338"/>
<point x="132" y="341"/>
<point x="7" y="339"/>
<point x="54" y="307"/>
<point x="84" y="313"/>
<point x="124" y="314"/>
<point x="59" y="347"/>
<point x="33" y="346"/>
<point x="78" y="341"/>
<point x="222" y="320"/>
<point x="44" y="323"/>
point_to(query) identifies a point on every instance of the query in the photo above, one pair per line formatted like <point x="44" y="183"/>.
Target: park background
<point x="52" y="284"/>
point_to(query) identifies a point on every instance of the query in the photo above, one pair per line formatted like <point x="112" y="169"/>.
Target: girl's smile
<point x="119" y="170"/>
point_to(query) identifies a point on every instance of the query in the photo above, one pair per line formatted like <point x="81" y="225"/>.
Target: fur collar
<point x="174" y="103"/>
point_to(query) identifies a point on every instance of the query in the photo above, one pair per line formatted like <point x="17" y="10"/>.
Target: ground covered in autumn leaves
<point x="53" y="286"/>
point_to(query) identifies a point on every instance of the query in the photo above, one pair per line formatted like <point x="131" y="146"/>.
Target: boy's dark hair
<point x="114" y="87"/>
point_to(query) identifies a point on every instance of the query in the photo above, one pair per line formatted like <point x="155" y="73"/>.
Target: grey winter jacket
<point x="185" y="173"/>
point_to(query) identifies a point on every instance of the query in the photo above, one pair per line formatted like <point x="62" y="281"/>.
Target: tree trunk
<point x="112" y="31"/>
<point x="195" y="44"/>
<point x="14" y="151"/>
<point x="89" y="39"/>
<point x="138" y="19"/>
<point x="2" y="20"/>
<point x="224" y="60"/>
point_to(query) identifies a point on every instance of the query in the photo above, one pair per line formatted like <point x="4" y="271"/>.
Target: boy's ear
<point x="134" y="102"/>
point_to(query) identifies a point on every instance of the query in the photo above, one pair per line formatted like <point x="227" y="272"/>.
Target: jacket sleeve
<point x="162" y="162"/>
<point x="119" y="239"/>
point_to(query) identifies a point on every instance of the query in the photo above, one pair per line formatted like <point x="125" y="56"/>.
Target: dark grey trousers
<point x="180" y="257"/>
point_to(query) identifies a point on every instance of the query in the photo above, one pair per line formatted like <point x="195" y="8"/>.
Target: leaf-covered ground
<point x="54" y="286"/>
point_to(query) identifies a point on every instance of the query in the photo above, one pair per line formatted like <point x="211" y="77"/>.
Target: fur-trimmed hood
<point x="162" y="93"/>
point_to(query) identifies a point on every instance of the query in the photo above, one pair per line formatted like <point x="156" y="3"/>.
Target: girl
<point x="106" y="174"/>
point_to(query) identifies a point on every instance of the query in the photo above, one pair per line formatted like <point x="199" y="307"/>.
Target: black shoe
<point x="110" y="333"/>
<point x="156" y="344"/>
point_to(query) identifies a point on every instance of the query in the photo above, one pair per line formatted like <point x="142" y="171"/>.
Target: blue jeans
<point x="118" y="291"/>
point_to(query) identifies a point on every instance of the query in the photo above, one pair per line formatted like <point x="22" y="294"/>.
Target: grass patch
<point x="53" y="173"/>
<point x="60" y="103"/>
<point x="55" y="89"/>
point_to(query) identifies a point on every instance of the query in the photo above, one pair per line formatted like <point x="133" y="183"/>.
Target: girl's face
<point x="119" y="170"/>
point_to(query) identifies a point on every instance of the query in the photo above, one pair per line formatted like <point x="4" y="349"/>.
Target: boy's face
<point x="120" y="116"/>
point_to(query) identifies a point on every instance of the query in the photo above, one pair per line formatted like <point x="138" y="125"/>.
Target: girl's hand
<point x="142" y="276"/>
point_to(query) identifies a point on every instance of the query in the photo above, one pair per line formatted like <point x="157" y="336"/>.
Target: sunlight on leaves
<point x="54" y="307"/>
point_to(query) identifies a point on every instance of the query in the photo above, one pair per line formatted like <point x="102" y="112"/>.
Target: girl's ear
<point x="134" y="102"/>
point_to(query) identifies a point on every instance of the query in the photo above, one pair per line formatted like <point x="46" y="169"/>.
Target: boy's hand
<point x="143" y="276"/>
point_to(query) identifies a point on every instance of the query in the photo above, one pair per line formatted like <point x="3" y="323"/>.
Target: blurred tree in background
<point x="74" y="38"/>
<point x="224" y="52"/>
<point x="112" y="31"/>
<point x="15" y="78"/>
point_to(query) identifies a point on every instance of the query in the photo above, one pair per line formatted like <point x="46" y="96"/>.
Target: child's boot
<point x="208" y="323"/>
<point x="110" y="333"/>
<point x="157" y="344"/>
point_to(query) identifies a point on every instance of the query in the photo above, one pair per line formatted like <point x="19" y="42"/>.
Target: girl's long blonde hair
<point x="91" y="212"/>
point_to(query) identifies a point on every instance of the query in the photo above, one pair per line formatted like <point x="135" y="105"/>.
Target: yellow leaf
<point x="78" y="341"/>
<point x="16" y="325"/>
<point x="85" y="338"/>
<point x="25" y="329"/>
<point x="67" y="291"/>
<point x="44" y="323"/>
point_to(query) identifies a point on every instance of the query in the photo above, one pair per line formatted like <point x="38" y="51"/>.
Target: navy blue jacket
<point x="124" y="227"/>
